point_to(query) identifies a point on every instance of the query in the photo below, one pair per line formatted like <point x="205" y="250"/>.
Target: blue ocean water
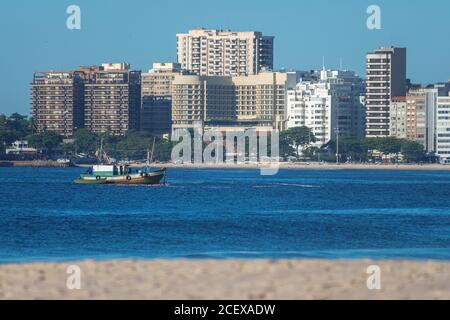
<point x="212" y="213"/>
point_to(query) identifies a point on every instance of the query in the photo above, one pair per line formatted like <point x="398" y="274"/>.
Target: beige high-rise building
<point x="416" y="115"/>
<point x="157" y="82"/>
<point x="224" y="52"/>
<point x="156" y="97"/>
<point x="386" y="78"/>
<point x="112" y="100"/>
<point x="57" y="101"/>
<point x="219" y="101"/>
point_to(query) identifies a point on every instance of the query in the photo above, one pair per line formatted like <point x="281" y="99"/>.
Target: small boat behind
<point x="121" y="174"/>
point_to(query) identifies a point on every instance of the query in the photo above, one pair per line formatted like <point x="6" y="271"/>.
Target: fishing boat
<point x="121" y="174"/>
<point x="108" y="172"/>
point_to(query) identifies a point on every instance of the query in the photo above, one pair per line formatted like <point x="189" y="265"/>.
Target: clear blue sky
<point x="34" y="34"/>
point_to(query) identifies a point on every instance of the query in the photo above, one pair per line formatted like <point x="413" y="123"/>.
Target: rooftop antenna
<point x="340" y="63"/>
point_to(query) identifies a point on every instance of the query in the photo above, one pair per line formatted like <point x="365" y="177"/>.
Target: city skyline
<point x="42" y="41"/>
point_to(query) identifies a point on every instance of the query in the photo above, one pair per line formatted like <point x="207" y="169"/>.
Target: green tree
<point x="85" y="141"/>
<point x="163" y="150"/>
<point x="413" y="151"/>
<point x="311" y="153"/>
<point x="353" y="149"/>
<point x="385" y="145"/>
<point x="5" y="134"/>
<point x="296" y="137"/>
<point x="19" y="124"/>
<point x="14" y="127"/>
<point x="46" y="141"/>
<point x="388" y="145"/>
<point x="134" y="145"/>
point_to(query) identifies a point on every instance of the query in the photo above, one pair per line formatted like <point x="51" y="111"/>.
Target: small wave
<point x="299" y="185"/>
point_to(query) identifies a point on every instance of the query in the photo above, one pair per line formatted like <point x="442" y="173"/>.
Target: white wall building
<point x="443" y="129"/>
<point x="328" y="105"/>
<point x="19" y="147"/>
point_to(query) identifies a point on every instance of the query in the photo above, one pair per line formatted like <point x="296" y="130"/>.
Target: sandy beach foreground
<point x="227" y="279"/>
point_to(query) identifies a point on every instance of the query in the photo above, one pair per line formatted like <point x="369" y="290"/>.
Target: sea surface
<point x="226" y="213"/>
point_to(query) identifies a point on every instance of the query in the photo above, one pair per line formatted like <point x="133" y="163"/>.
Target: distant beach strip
<point x="282" y="165"/>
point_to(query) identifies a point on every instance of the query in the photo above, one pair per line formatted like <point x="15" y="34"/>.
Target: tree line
<point x="352" y="149"/>
<point x="134" y="145"/>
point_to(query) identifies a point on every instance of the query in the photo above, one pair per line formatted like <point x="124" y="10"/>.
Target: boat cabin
<point x="110" y="170"/>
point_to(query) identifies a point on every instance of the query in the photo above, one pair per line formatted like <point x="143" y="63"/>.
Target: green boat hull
<point x="151" y="178"/>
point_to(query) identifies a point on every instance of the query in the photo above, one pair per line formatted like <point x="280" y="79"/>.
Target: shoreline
<point x="227" y="279"/>
<point x="312" y="166"/>
<point x="281" y="165"/>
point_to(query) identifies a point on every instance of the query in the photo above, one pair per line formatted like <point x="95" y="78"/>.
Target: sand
<point x="227" y="279"/>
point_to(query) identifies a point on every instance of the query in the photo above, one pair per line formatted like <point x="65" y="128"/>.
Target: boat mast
<point x="100" y="153"/>
<point x="153" y="148"/>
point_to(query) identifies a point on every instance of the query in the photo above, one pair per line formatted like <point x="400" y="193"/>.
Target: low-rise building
<point x="20" y="147"/>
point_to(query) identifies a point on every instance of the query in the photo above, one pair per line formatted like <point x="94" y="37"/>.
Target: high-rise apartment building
<point x="112" y="99"/>
<point x="398" y="118"/>
<point x="430" y="125"/>
<point x="328" y="105"/>
<point x="252" y="101"/>
<point x="156" y="97"/>
<point x="385" y="79"/>
<point x="57" y="101"/>
<point x="229" y="53"/>
<point x="416" y="115"/>
<point x="421" y="106"/>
